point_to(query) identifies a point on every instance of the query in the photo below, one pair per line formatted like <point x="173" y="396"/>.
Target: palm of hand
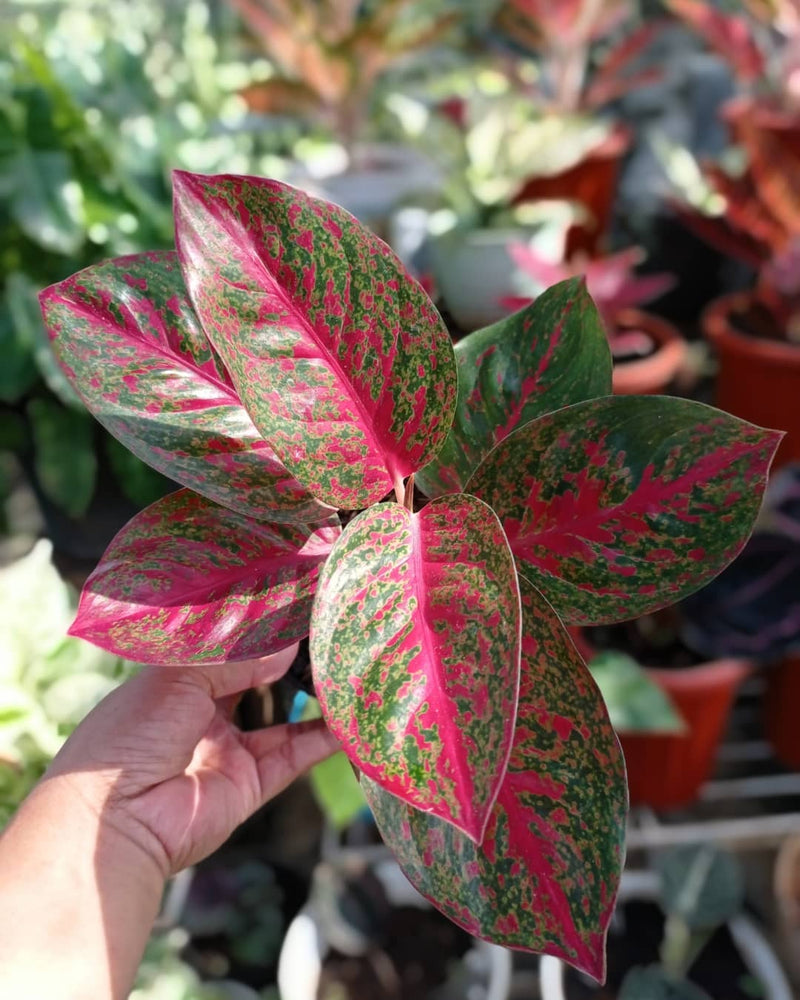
<point x="172" y="770"/>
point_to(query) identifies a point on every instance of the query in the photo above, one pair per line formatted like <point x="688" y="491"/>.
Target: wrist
<point x="78" y="883"/>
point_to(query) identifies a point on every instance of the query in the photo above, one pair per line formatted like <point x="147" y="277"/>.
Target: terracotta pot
<point x="667" y="771"/>
<point x="781" y="703"/>
<point x="657" y="372"/>
<point x="758" y="379"/>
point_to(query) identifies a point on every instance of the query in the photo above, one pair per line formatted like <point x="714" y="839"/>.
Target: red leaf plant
<point x="287" y="371"/>
<point x="755" y="214"/>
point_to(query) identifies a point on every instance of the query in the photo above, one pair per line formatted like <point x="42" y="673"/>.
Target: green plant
<point x="701" y="888"/>
<point x="331" y="54"/>
<point x="430" y="518"/>
<point x="47" y="682"/>
<point x="95" y="105"/>
<point x="635" y="703"/>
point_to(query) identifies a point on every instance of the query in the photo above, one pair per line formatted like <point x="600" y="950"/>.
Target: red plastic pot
<point x="781" y="711"/>
<point x="758" y="379"/>
<point x="653" y="374"/>
<point x="667" y="771"/>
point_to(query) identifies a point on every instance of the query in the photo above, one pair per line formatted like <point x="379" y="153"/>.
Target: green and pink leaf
<point x="130" y="343"/>
<point x="618" y="506"/>
<point x="552" y="353"/>
<point x="336" y="352"/>
<point x="188" y="581"/>
<point x="415" y="653"/>
<point x="545" y="877"/>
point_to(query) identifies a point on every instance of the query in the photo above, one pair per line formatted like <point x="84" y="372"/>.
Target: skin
<point x="153" y="780"/>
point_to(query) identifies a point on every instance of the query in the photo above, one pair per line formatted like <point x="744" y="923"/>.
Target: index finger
<point x="236" y="676"/>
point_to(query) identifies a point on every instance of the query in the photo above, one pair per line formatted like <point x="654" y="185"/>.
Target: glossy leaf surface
<point x="130" y="343"/>
<point x="415" y="653"/>
<point x="546" y="356"/>
<point x="545" y="877"/>
<point x="618" y="506"/>
<point x="188" y="581"/>
<point x="339" y="356"/>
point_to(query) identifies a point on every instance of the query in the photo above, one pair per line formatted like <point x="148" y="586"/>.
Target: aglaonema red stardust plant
<point x="283" y="367"/>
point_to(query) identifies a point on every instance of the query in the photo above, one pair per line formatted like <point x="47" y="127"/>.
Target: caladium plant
<point x="285" y="369"/>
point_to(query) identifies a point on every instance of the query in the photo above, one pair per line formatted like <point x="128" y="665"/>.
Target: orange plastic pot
<point x="782" y="709"/>
<point x="758" y="379"/>
<point x="667" y="771"/>
<point x="657" y="372"/>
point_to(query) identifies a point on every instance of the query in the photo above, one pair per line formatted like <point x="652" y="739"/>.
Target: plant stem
<point x="408" y="499"/>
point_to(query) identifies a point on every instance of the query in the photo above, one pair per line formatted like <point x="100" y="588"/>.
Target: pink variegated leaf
<point x="131" y="345"/>
<point x="336" y="352"/>
<point x="188" y="581"/>
<point x="415" y="653"/>
<point x="545" y="876"/>
<point x="618" y="506"/>
<point x="551" y="353"/>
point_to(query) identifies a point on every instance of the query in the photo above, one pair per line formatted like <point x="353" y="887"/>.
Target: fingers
<point x="283" y="753"/>
<point x="224" y="679"/>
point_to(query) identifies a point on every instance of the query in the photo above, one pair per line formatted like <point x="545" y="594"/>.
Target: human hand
<point x="161" y="764"/>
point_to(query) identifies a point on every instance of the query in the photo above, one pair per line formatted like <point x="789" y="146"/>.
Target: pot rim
<point x="661" y="367"/>
<point x="719" y="330"/>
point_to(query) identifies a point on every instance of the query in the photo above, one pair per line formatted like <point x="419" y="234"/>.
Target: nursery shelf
<point x="751" y="802"/>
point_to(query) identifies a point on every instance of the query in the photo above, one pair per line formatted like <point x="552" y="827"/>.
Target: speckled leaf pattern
<point x="189" y="581"/>
<point x="546" y="356"/>
<point x="545" y="877"/>
<point x="617" y="506"/>
<point x="130" y="343"/>
<point x="415" y="652"/>
<point x="337" y="353"/>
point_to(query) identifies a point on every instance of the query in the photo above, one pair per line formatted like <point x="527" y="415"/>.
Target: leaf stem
<point x="399" y="490"/>
<point x="408" y="499"/>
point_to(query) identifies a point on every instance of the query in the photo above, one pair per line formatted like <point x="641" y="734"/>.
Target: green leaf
<point x="701" y="884"/>
<point x="615" y="507"/>
<point x="140" y="484"/>
<point x="17" y="371"/>
<point x="27" y="318"/>
<point x="40" y="206"/>
<point x="546" y="874"/>
<point x="652" y="982"/>
<point x="546" y="356"/>
<point x="636" y="704"/>
<point x="64" y="457"/>
<point x="337" y="790"/>
<point x="415" y="653"/>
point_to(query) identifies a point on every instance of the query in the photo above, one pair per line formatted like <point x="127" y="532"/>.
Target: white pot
<point x="754" y="948"/>
<point x="474" y="273"/>
<point x="304" y="946"/>
<point x="383" y="175"/>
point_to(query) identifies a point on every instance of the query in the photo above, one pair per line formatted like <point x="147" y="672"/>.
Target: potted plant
<point x="587" y="56"/>
<point x="752" y="610"/>
<point x="684" y="919"/>
<point x="284" y="367"/>
<point x="329" y="56"/>
<point x="667" y="764"/>
<point x="648" y="351"/>
<point x="562" y="149"/>
<point x="754" y="214"/>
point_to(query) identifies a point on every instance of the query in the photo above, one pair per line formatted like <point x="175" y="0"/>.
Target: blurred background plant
<point x="100" y="102"/>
